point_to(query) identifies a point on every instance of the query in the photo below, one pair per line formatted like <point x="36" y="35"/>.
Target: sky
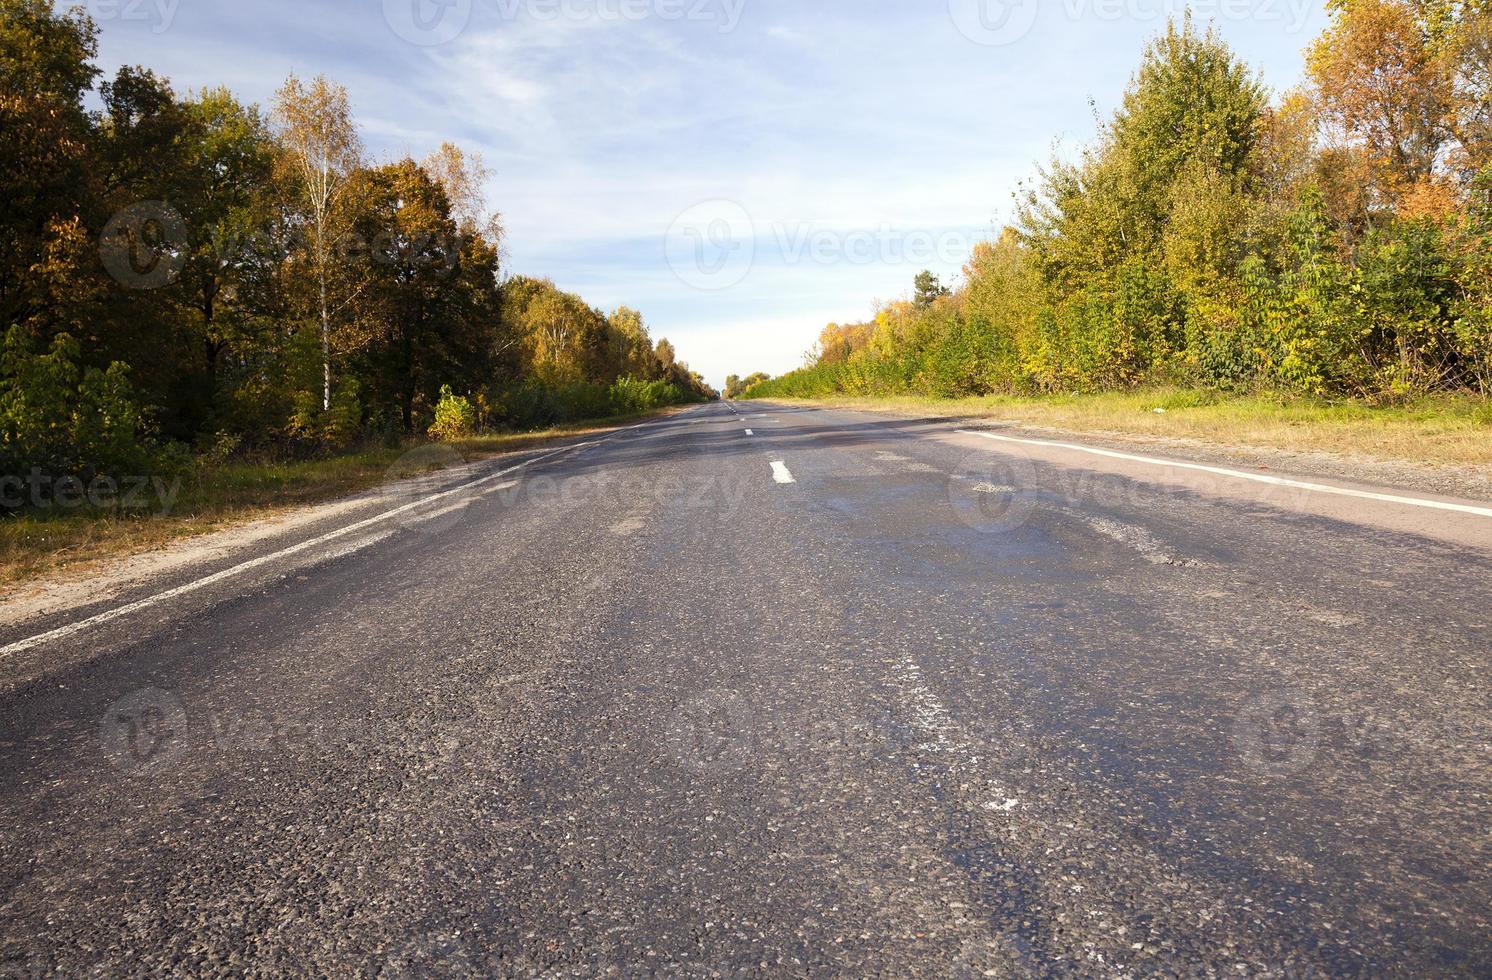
<point x="741" y="171"/>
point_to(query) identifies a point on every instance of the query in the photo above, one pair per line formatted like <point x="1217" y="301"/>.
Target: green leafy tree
<point x="927" y="290"/>
<point x="230" y="160"/>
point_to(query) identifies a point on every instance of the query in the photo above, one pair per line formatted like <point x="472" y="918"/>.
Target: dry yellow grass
<point x="1440" y="431"/>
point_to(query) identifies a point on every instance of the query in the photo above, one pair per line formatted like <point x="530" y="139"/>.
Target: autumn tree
<point x="632" y="346"/>
<point x="739" y="387"/>
<point x="1468" y="58"/>
<point x="45" y="180"/>
<point x="322" y="152"/>
<point x="463" y="176"/>
<point x="837" y="341"/>
<point x="1383" y="93"/>
<point x="664" y="355"/>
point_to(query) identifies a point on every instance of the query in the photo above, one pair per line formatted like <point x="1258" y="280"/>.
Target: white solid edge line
<point x="1277" y="481"/>
<point x="62" y="632"/>
<point x="780" y="472"/>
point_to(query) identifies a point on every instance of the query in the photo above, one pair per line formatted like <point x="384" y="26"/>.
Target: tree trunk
<point x="326" y="347"/>
<point x="406" y="345"/>
<point x="211" y="348"/>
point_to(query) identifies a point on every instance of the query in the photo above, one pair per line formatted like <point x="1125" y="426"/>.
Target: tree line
<point x="1335" y="241"/>
<point x="185" y="273"/>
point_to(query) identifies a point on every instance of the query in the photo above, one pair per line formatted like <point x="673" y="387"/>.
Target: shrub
<point x="63" y="419"/>
<point x="454" y="416"/>
<point x="534" y="405"/>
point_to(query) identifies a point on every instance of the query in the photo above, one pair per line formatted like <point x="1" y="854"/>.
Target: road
<point x="838" y="695"/>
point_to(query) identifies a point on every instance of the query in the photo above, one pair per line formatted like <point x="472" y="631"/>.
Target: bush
<point x="533" y="405"/>
<point x="342" y="423"/>
<point x="63" y="419"/>
<point x="454" y="416"/>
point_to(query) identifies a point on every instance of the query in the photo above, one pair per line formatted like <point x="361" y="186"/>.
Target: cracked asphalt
<point x="941" y="706"/>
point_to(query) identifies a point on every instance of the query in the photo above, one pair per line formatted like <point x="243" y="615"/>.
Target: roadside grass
<point x="1441" y="430"/>
<point x="213" y="497"/>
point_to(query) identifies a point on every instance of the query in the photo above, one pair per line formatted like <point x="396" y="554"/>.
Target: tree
<point x="565" y="341"/>
<point x="63" y="417"/>
<point x="47" y="52"/>
<point x="927" y="290"/>
<point x="405" y="329"/>
<point x="1469" y="57"/>
<point x="322" y="152"/>
<point x="145" y="133"/>
<point x="185" y="268"/>
<point x="998" y="305"/>
<point x="1192" y="104"/>
<point x="838" y="341"/>
<point x="231" y="161"/>
<point x="463" y="177"/>
<point x="752" y="380"/>
<point x="664" y="356"/>
<point x="632" y="346"/>
<point x="45" y="181"/>
<point x="1383" y="93"/>
<point x="140" y="153"/>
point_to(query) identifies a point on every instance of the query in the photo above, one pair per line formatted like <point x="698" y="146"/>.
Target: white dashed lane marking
<point x="781" y="473"/>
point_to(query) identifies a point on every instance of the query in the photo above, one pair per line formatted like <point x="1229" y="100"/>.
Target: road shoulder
<point x="1469" y="482"/>
<point x="117" y="578"/>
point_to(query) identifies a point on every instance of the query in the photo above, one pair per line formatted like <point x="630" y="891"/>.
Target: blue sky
<point x="742" y="171"/>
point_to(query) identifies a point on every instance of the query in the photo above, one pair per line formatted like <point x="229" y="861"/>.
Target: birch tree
<point x="314" y="123"/>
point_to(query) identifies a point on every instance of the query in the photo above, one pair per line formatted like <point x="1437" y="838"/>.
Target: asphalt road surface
<point x="840" y="695"/>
